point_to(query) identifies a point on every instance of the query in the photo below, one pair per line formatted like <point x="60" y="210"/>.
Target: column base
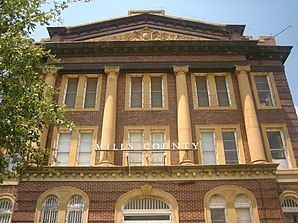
<point x="106" y="163"/>
<point x="186" y="163"/>
<point x="259" y="161"/>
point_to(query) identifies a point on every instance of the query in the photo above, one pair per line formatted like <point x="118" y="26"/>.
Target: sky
<point x="261" y="17"/>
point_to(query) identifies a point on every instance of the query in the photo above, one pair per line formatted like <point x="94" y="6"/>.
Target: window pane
<point x="75" y="209"/>
<point x="85" y="148"/>
<point x="222" y="91"/>
<point x="157" y="143"/>
<point x="230" y="147"/>
<point x="135" y="158"/>
<point x="63" y="148"/>
<point x="5" y="210"/>
<point x="264" y="90"/>
<point x="276" y="145"/>
<point x="49" y="211"/>
<point x="71" y="92"/>
<point x="156" y="92"/>
<point x="136" y="94"/>
<point x="218" y="215"/>
<point x="291" y="217"/>
<point x="91" y="90"/>
<point x="208" y="148"/>
<point x="202" y="91"/>
<point x="243" y="215"/>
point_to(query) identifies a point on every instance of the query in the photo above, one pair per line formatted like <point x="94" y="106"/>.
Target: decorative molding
<point x="155" y="173"/>
<point x="243" y="69"/>
<point x="112" y="70"/>
<point x="178" y="70"/>
<point x="146" y="34"/>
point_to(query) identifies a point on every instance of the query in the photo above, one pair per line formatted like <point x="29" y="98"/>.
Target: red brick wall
<point x="189" y="195"/>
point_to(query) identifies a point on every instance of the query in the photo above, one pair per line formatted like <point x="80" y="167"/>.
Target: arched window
<point x="145" y="210"/>
<point x="217" y="206"/>
<point x="6" y="208"/>
<point x="75" y="208"/>
<point x="49" y="212"/>
<point x="62" y="204"/>
<point x="230" y="204"/>
<point x="290" y="209"/>
<point x="243" y="209"/>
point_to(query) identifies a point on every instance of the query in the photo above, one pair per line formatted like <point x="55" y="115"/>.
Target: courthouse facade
<point x="176" y="121"/>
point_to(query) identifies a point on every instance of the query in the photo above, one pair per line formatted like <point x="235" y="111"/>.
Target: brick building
<point x="176" y="121"/>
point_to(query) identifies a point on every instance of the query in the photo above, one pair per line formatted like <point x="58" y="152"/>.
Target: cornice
<point x="156" y="173"/>
<point x="116" y="25"/>
<point x="141" y="48"/>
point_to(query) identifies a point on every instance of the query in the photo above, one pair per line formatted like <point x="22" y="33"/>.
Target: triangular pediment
<point x="146" y="34"/>
<point x="146" y="26"/>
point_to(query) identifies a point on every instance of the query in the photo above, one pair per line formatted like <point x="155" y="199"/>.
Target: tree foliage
<point x="25" y="108"/>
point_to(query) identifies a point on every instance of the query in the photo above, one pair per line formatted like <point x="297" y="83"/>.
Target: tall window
<point x="136" y="92"/>
<point x="85" y="149"/>
<point x="264" y="90"/>
<point x="243" y="209"/>
<point x="71" y="92"/>
<point x="49" y="212"/>
<point x="146" y="91"/>
<point x="213" y="90"/>
<point x="208" y="147"/>
<point x="6" y="208"/>
<point x="202" y="91"/>
<point x="157" y="156"/>
<point x="146" y="146"/>
<point x="91" y="92"/>
<point x="217" y="206"/>
<point x="63" y="149"/>
<point x="278" y="148"/>
<point x="222" y="91"/>
<point x="290" y="210"/>
<point x="135" y="157"/>
<point x="75" y="208"/>
<point x="76" y="147"/>
<point x="230" y="147"/>
<point x="80" y="91"/>
<point x="156" y="92"/>
<point x="220" y="144"/>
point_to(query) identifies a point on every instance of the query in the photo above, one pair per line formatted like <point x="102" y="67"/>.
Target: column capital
<point x="243" y="68"/>
<point x="180" y="69"/>
<point x="112" y="70"/>
<point x="50" y="71"/>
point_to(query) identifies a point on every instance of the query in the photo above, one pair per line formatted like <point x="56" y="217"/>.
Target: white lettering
<point x="175" y="146"/>
<point x="146" y="145"/>
<point x="195" y="145"/>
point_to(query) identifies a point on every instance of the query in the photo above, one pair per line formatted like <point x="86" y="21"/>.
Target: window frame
<point x="64" y="194"/>
<point x="146" y="153"/>
<point x="289" y="153"/>
<point x="11" y="199"/>
<point x="219" y="145"/>
<point x="74" y="144"/>
<point x="288" y="194"/>
<point x="229" y="194"/>
<point x="146" y="91"/>
<point x="272" y="88"/>
<point x="212" y="91"/>
<point x="81" y="91"/>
